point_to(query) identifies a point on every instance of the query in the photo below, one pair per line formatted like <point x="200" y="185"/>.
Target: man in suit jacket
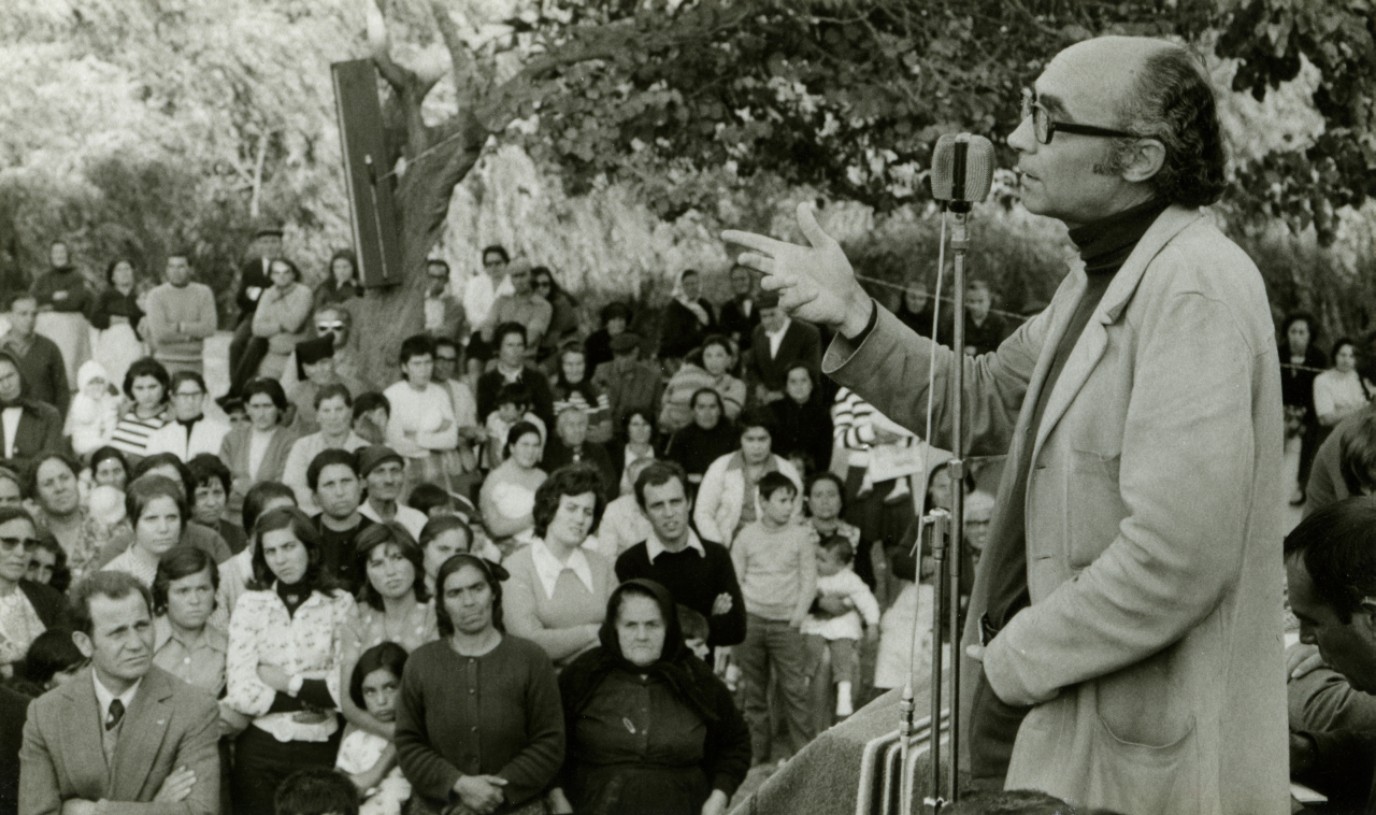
<point x="629" y="383"/>
<point x="569" y="445"/>
<point x="778" y="343"/>
<point x="741" y="314"/>
<point x="1127" y="606"/>
<point x="28" y="427"/>
<point x="253" y="281"/>
<point x="123" y="735"/>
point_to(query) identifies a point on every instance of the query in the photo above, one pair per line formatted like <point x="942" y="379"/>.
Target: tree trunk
<point x="390" y="315"/>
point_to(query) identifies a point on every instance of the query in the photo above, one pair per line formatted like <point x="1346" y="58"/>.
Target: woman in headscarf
<point x="688" y="318"/>
<point x="650" y="728"/>
<point x="117" y="318"/>
<point x="63" y="299"/>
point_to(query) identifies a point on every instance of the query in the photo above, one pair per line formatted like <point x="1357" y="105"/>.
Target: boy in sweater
<point x="777" y="567"/>
<point x="840" y="635"/>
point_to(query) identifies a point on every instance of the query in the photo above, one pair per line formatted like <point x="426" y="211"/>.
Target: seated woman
<point x="803" y="419"/>
<point x="478" y="722"/>
<point x="257" y="451"/>
<point x="117" y="317"/>
<point x="341" y="282"/>
<point x="157" y="512"/>
<point x="393" y="606"/>
<point x="279" y="323"/>
<point x="572" y="387"/>
<point x="558" y="590"/>
<point x="710" y="436"/>
<point x="445" y="536"/>
<point x="563" y="321"/>
<point x="55" y="503"/>
<point x="283" y="660"/>
<point x="508" y="493"/>
<point x="26" y="609"/>
<point x="707" y="367"/>
<point x="636" y="446"/>
<point x="237" y="572"/>
<point x="367" y="758"/>
<point x="650" y="727"/>
<point x="146" y="386"/>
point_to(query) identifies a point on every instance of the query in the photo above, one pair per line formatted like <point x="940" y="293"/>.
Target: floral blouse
<point x="263" y="632"/>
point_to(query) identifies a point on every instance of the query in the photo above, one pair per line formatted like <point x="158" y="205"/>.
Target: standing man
<point x="254" y="279"/>
<point x="984" y="329"/>
<point x="122" y="731"/>
<point x="699" y="574"/>
<point x="778" y="343"/>
<point x="181" y="314"/>
<point x="1128" y="602"/>
<point x="741" y="314"/>
<point x="522" y="306"/>
<point x="40" y="360"/>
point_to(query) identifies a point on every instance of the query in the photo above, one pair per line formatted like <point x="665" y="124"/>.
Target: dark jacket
<point x="558" y="454"/>
<point x="801" y="343"/>
<point x="490" y="387"/>
<point x="736" y="323"/>
<point x="681" y="331"/>
<point x="40" y="431"/>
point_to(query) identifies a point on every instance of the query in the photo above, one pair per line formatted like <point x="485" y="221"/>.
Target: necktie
<point x="110" y="737"/>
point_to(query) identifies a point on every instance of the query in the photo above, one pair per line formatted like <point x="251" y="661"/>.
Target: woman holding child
<point x="650" y="728"/>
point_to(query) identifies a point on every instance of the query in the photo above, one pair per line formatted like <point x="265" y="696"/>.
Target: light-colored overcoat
<point x="1151" y="652"/>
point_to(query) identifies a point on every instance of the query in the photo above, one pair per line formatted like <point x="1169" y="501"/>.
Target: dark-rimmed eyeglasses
<point x="1044" y="127"/>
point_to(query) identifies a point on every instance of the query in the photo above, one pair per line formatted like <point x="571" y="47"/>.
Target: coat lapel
<point x="1089" y="348"/>
<point x="85" y="757"/>
<point x="140" y="738"/>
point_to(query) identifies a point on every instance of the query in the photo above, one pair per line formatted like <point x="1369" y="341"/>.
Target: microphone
<point x="962" y="170"/>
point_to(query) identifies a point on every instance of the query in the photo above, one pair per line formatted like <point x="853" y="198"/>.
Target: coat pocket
<point x="1141" y="778"/>
<point x="1094" y="506"/>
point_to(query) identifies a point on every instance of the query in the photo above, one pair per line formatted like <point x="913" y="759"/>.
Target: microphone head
<point x="962" y="168"/>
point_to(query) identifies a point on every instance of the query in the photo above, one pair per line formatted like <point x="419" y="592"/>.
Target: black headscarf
<point x="688" y="676"/>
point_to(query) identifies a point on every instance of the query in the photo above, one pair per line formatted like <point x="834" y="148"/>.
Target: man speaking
<point x="1128" y="602"/>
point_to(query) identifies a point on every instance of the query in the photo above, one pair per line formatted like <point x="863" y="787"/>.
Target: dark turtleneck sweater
<point x="1104" y="246"/>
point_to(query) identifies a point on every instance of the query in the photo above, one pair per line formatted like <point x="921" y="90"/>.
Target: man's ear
<point x="83" y="643"/>
<point x="1143" y="160"/>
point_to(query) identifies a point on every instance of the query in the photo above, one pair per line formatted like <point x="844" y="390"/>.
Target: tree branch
<point x="466" y="78"/>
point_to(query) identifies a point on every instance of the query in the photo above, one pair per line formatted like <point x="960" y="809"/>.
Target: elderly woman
<point x="63" y="300"/>
<point x="55" y="502"/>
<point x="158" y="513"/>
<point x="508" y="493"/>
<point x="572" y="387"/>
<point x="146" y="385"/>
<point x="283" y="660"/>
<point x="688" y="318"/>
<point x="393" y="606"/>
<point x="707" y="367"/>
<point x="710" y="436"/>
<point x="117" y="317"/>
<point x="26" y="609"/>
<point x="257" y="451"/>
<point x="478" y="722"/>
<point x="729" y="497"/>
<point x="650" y="727"/>
<point x="558" y="590"/>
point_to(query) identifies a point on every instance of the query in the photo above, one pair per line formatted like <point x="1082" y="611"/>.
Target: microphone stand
<point x="946" y="575"/>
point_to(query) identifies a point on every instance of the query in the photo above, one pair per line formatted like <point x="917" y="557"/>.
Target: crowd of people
<point x="551" y="565"/>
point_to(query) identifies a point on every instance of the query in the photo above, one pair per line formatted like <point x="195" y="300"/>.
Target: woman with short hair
<point x="710" y="436"/>
<point x="558" y="590"/>
<point x="507" y="497"/>
<point x="283" y="659"/>
<point x="257" y="450"/>
<point x="706" y="367"/>
<point x="479" y="726"/>
<point x="341" y="283"/>
<point x="51" y="484"/>
<point x="157" y="511"/>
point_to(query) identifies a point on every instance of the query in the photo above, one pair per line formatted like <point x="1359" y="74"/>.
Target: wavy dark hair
<point x="517" y="431"/>
<point x="317" y="577"/>
<point x="493" y="573"/>
<point x="384" y="534"/>
<point x="1173" y="102"/>
<point x="826" y="475"/>
<point x="147" y="366"/>
<point x="110" y="270"/>
<point x="575" y="479"/>
<point x="144" y="489"/>
<point x="31" y="473"/>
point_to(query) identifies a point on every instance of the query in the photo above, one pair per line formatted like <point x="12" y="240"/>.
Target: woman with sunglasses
<point x="563" y="321"/>
<point x="27" y="609"/>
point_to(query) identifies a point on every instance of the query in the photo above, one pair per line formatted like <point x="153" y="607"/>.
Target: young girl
<point x="373" y="686"/>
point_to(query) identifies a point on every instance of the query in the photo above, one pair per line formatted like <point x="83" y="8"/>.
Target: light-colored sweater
<point x="559" y="622"/>
<point x="777" y="567"/>
<point x="179" y="320"/>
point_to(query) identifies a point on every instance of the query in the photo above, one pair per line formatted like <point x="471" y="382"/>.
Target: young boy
<point x="208" y="504"/>
<point x="695" y="631"/>
<point x="513" y="405"/>
<point x="777" y="568"/>
<point x="316" y="791"/>
<point x="840" y="635"/>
